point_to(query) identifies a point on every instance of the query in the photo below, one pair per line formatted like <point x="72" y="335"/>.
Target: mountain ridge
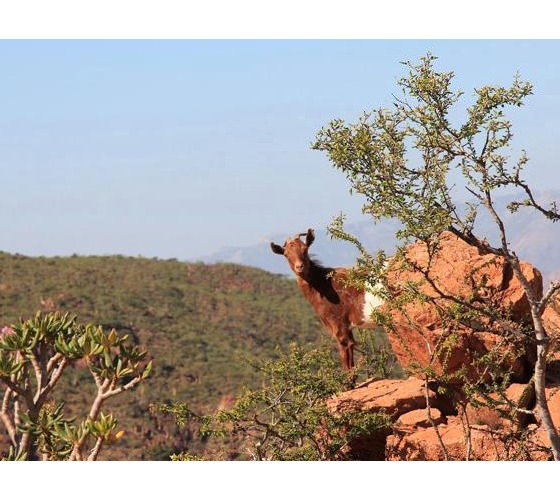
<point x="533" y="237"/>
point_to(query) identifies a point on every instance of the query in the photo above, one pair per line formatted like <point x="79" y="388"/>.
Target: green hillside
<point x="200" y="323"/>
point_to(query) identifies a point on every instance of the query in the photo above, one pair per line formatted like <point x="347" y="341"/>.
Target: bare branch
<point x="52" y="362"/>
<point x="553" y="214"/>
<point x="7" y="419"/>
<point x="432" y="421"/>
<point x="548" y="296"/>
<point x="130" y="385"/>
<point x="53" y="380"/>
<point x="95" y="375"/>
<point x="39" y="376"/>
<point x="14" y="387"/>
<point x="96" y="449"/>
<point x="489" y="204"/>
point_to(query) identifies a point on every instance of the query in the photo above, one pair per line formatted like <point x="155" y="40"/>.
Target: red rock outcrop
<point x="391" y="396"/>
<point x="492" y="435"/>
<point x="459" y="270"/>
<point x="497" y="432"/>
<point x="551" y="319"/>
<point x="420" y="418"/>
<point x="485" y="444"/>
<point x="496" y="429"/>
<point x="417" y="435"/>
<point x="496" y="414"/>
<point x="396" y="398"/>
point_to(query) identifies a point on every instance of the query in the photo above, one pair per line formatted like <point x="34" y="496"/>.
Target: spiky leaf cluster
<point x="34" y="354"/>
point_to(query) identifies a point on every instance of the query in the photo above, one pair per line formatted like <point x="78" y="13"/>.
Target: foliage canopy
<point x="415" y="163"/>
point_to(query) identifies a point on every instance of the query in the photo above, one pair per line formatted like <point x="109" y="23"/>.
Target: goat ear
<point x="277" y="248"/>
<point x="310" y="237"/>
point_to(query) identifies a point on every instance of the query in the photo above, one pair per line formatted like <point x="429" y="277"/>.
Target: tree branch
<point x="7" y="418"/>
<point x="553" y="215"/>
<point x="548" y="296"/>
<point x="53" y="380"/>
<point x="52" y="362"/>
<point x="39" y="376"/>
<point x="130" y="385"/>
<point x="96" y="449"/>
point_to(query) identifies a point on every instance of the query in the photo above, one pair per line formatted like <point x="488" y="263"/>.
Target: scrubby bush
<point x="288" y="418"/>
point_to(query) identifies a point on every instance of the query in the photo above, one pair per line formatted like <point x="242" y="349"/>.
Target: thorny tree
<point x="33" y="357"/>
<point x="403" y="161"/>
<point x="287" y="417"/>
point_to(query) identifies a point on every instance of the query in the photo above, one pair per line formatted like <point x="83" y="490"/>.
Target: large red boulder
<point x="497" y="427"/>
<point x="395" y="398"/>
<point x="484" y="443"/>
<point x="476" y="432"/>
<point x="422" y="336"/>
<point x="391" y="396"/>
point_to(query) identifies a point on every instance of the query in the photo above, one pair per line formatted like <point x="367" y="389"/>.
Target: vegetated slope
<point x="201" y="323"/>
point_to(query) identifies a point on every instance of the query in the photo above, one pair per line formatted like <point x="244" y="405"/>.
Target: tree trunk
<point x="542" y="405"/>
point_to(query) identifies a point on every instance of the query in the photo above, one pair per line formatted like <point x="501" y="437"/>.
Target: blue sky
<point x="175" y="148"/>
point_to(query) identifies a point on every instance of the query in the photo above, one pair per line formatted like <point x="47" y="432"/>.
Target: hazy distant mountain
<point x="534" y="238"/>
<point x="325" y="249"/>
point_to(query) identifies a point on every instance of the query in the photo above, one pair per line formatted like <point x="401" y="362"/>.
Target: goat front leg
<point x="345" y="341"/>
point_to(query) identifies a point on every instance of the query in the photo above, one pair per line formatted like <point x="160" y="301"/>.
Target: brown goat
<point x="338" y="305"/>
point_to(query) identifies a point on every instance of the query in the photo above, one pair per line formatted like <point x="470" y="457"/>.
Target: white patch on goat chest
<point x="371" y="302"/>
